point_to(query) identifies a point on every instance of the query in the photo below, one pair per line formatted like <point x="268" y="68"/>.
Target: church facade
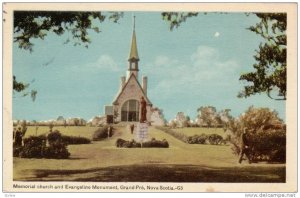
<point x="126" y="105"/>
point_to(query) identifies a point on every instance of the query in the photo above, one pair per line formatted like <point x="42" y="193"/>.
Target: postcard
<point x="150" y="97"/>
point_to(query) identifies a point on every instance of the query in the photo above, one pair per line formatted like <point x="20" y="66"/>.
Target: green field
<point x="82" y="131"/>
<point x="102" y="161"/>
<point x="190" y="131"/>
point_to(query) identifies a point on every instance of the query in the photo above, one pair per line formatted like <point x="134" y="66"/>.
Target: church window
<point x="130" y="111"/>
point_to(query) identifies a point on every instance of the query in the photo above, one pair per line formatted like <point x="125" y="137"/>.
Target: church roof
<point x="133" y="51"/>
<point x="134" y="78"/>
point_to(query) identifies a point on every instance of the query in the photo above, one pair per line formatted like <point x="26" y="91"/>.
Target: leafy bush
<point x="266" y="134"/>
<point x="35" y="147"/>
<point x="101" y="133"/>
<point x="153" y="143"/>
<point x="56" y="135"/>
<point x="215" y="139"/>
<point x="273" y="147"/>
<point x="16" y="151"/>
<point x="75" y="140"/>
<point x="197" y="139"/>
<point x="56" y="150"/>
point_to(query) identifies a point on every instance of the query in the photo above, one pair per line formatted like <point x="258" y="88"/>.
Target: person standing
<point x="244" y="146"/>
<point x="109" y="131"/>
<point x="132" y="128"/>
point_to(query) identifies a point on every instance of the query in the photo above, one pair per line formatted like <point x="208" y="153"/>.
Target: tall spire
<point x="133" y="56"/>
<point x="133" y="66"/>
<point x="133" y="22"/>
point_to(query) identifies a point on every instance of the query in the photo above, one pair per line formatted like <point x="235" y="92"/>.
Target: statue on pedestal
<point x="143" y="104"/>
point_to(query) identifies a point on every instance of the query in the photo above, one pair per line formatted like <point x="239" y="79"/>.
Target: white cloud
<point x="162" y="60"/>
<point x="104" y="63"/>
<point x="217" y="34"/>
<point x="204" y="70"/>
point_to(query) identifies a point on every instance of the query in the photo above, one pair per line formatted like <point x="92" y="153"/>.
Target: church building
<point x="126" y="105"/>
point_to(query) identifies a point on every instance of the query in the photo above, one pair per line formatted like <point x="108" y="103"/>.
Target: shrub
<point x="215" y="139"/>
<point x="56" y="150"/>
<point x="273" y="147"/>
<point x="197" y="139"/>
<point x="101" y="133"/>
<point x="34" y="147"/>
<point x="75" y="140"/>
<point x="135" y="144"/>
<point x="56" y="136"/>
<point x="17" y="150"/>
<point x="266" y="134"/>
<point x="153" y="143"/>
<point x="120" y="142"/>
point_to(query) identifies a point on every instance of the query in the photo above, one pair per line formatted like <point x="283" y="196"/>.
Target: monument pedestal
<point x="142" y="132"/>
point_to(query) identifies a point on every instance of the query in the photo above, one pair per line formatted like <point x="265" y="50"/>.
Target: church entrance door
<point x="130" y="111"/>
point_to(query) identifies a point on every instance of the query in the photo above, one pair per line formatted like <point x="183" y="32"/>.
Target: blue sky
<point x="196" y="65"/>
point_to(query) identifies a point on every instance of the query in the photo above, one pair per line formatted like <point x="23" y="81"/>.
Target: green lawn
<point x="82" y="131"/>
<point x="190" y="131"/>
<point x="103" y="161"/>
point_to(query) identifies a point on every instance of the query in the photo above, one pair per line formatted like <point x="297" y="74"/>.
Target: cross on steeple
<point x="133" y="56"/>
<point x="133" y="22"/>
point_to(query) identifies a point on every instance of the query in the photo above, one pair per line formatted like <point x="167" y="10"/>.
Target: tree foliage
<point x="208" y="115"/>
<point x="270" y="67"/>
<point x="30" y="25"/>
<point x="176" y="18"/>
<point x="21" y="87"/>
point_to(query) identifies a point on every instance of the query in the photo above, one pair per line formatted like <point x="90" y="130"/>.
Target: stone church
<point x="126" y="105"/>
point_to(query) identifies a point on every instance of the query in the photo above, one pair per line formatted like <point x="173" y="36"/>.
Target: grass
<point x="190" y="131"/>
<point x="80" y="131"/>
<point x="166" y="173"/>
<point x="103" y="161"/>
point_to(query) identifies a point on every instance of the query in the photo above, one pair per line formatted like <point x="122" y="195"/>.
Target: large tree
<point x="269" y="75"/>
<point x="209" y="115"/>
<point x="30" y="25"/>
<point x="270" y="67"/>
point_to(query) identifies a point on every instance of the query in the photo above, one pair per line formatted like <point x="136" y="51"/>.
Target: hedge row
<point x="37" y="147"/>
<point x="53" y="136"/>
<point x="264" y="145"/>
<point x="153" y="143"/>
<point x="179" y="136"/>
<point x="213" y="139"/>
<point x="75" y="140"/>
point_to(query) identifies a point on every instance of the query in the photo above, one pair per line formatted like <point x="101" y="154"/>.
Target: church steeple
<point x="133" y="56"/>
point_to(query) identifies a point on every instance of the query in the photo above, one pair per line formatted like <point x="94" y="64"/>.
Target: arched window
<point x="130" y="111"/>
